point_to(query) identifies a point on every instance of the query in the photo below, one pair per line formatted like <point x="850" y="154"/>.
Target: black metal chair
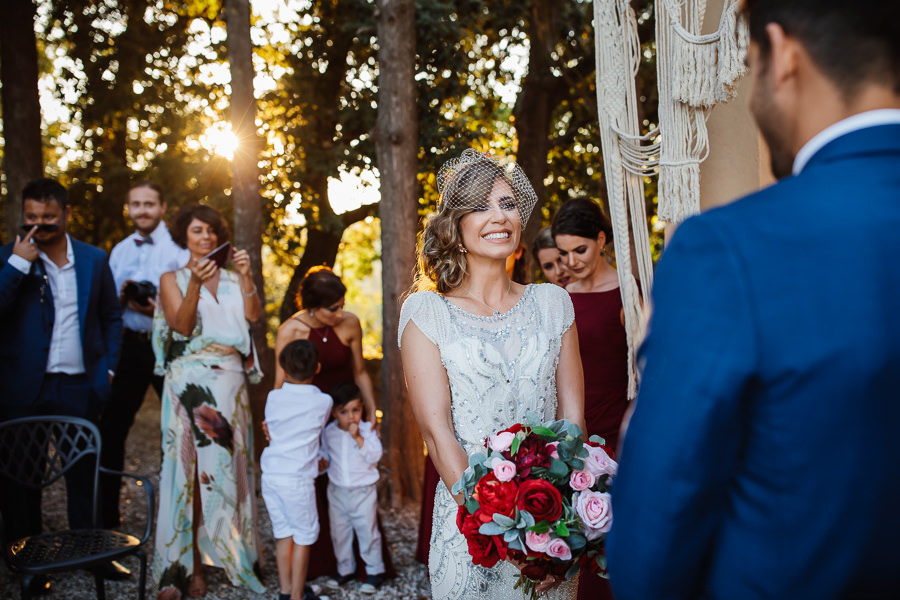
<point x="36" y="452"/>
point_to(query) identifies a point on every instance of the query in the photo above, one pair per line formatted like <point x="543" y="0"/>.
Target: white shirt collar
<point x="70" y="254"/>
<point x="154" y="235"/>
<point x="883" y="116"/>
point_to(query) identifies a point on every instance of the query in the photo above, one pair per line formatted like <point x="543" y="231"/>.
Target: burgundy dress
<point x="603" y="345"/>
<point x="337" y="367"/>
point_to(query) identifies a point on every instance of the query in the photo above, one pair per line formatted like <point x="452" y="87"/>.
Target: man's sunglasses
<point x="41" y="227"/>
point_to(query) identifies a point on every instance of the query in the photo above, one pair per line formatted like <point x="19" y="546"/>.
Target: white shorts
<point x="291" y="502"/>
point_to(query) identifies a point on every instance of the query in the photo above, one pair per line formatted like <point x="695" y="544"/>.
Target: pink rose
<point x="581" y="480"/>
<point x="539" y="542"/>
<point x="552" y="448"/>
<point x="502" y="441"/>
<point x="595" y="512"/>
<point x="598" y="462"/>
<point x="504" y="470"/>
<point x="559" y="549"/>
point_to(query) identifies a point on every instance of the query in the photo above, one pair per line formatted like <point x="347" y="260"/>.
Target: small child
<point x="353" y="449"/>
<point x="295" y="417"/>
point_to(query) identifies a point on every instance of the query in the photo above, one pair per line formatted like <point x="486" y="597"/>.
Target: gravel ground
<point x="143" y="454"/>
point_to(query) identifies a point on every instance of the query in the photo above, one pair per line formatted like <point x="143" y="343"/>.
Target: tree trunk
<point x="245" y="189"/>
<point x="21" y="106"/>
<point x="534" y="106"/>
<point x="396" y="144"/>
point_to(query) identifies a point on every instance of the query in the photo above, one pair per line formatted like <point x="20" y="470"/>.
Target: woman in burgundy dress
<point x="337" y="335"/>
<point x="582" y="231"/>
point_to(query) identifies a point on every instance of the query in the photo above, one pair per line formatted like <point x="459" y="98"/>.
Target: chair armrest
<point x="149" y="493"/>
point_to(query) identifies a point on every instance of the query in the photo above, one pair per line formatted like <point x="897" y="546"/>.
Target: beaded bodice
<point x="500" y="366"/>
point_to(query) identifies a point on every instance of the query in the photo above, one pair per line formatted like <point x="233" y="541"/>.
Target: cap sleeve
<point x="427" y="311"/>
<point x="556" y="306"/>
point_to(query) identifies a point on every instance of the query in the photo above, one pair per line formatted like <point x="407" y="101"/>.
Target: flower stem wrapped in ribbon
<point x="539" y="496"/>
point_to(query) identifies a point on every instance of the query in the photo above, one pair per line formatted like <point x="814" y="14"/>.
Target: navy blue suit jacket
<point x="763" y="459"/>
<point x="26" y="324"/>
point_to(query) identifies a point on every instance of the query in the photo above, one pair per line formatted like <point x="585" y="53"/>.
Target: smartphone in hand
<point x="220" y="255"/>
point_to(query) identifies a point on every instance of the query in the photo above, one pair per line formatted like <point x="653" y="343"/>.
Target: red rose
<point x="536" y="570"/>
<point x="496" y="496"/>
<point x="533" y="452"/>
<point x="461" y="515"/>
<point x="541" y="499"/>
<point x="485" y="550"/>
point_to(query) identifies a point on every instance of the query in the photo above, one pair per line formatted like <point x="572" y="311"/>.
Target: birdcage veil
<point x="466" y="182"/>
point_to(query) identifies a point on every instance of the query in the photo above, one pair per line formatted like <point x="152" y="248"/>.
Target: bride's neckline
<point x="497" y="314"/>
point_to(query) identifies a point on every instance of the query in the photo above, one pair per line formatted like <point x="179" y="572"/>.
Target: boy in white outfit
<point x="295" y="417"/>
<point x="353" y="449"/>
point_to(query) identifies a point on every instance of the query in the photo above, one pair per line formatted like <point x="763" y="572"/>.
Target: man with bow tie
<point x="137" y="263"/>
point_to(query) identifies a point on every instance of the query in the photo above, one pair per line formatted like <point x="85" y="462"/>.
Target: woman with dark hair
<point x="479" y="350"/>
<point x="548" y="258"/>
<point x="581" y="232"/>
<point x="337" y="335"/>
<point x="207" y="498"/>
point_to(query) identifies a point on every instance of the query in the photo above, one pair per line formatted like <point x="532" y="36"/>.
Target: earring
<point x="462" y="249"/>
<point x="311" y="313"/>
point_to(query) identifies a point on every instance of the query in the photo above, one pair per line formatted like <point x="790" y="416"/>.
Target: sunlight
<point x="220" y="139"/>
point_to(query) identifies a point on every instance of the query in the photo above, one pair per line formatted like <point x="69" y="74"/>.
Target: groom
<point x="762" y="460"/>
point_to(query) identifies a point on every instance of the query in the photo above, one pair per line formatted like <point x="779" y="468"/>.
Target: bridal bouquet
<point x="540" y="496"/>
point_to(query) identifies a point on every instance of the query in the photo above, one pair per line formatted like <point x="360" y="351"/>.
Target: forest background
<point x="270" y="112"/>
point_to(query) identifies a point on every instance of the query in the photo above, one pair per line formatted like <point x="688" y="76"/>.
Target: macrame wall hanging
<point x="694" y="72"/>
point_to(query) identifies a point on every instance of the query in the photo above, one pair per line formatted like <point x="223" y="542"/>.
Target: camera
<point x="139" y="291"/>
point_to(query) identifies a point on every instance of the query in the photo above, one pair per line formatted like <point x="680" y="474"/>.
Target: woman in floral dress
<point x="207" y="500"/>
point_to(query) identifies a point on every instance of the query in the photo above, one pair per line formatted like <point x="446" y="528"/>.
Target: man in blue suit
<point x="60" y="334"/>
<point x="761" y="460"/>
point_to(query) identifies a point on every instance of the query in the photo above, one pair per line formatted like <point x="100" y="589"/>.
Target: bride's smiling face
<point x="493" y="231"/>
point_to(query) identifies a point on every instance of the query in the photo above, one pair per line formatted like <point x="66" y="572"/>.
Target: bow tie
<point x="140" y="241"/>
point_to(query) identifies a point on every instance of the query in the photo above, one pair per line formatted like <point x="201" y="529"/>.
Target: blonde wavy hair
<point x="442" y="266"/>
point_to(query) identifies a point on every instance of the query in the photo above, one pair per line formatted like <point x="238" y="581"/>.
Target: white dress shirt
<point x="145" y="262"/>
<point x="66" y="355"/>
<point x="348" y="464"/>
<point x="295" y="416"/>
<point x="872" y="118"/>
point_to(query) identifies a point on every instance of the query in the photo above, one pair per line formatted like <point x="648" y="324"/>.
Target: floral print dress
<point x="207" y="430"/>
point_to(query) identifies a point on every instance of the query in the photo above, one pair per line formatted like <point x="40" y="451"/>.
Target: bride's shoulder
<point x="428" y="311"/>
<point x="417" y="302"/>
<point x="550" y="293"/>
<point x="555" y="304"/>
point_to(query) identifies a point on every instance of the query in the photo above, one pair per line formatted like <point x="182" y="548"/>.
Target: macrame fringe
<point x="678" y="192"/>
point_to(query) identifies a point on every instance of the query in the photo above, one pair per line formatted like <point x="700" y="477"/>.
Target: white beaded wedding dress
<point x="499" y="367"/>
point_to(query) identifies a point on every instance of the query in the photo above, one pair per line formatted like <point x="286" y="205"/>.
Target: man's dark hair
<point x="146" y="183"/>
<point x="852" y="43"/>
<point x="204" y="213"/>
<point x="344" y="392"/>
<point x="299" y="359"/>
<point x="320" y="288"/>
<point x="45" y="190"/>
<point x="581" y="217"/>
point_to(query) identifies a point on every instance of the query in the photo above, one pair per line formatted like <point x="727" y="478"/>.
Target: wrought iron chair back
<point x="36" y="452"/>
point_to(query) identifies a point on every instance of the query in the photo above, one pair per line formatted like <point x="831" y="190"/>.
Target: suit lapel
<point x="83" y="274"/>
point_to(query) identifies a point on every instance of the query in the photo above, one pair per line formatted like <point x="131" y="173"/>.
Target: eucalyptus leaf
<point x="472" y="505"/>
<point x="504" y="521"/>
<point x="596" y="438"/>
<point x="558" y="468"/>
<point x="490" y="528"/>
<point x="574" y="430"/>
<point x="515" y="544"/>
<point x="526" y="518"/>
<point x="576" y="463"/>
<point x="477" y="459"/>
<point x="581" y="451"/>
<point x="572" y="570"/>
<point x="512" y="534"/>
<point x="576" y="541"/>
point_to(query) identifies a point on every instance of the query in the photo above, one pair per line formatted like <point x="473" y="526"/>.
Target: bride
<point x="479" y="351"/>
